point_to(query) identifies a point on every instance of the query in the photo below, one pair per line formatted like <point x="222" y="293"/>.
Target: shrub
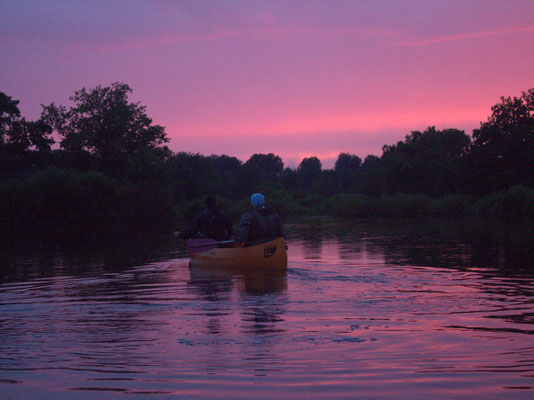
<point x="453" y="205"/>
<point x="81" y="201"/>
<point x="518" y="201"/>
<point x="350" y="206"/>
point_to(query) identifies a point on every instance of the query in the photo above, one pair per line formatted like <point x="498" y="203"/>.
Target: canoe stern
<point x="270" y="255"/>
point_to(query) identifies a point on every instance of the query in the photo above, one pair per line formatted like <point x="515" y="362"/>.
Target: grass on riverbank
<point x="85" y="201"/>
<point x="58" y="199"/>
<point x="517" y="201"/>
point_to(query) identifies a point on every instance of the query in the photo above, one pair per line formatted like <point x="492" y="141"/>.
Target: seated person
<point x="258" y="225"/>
<point x="210" y="223"/>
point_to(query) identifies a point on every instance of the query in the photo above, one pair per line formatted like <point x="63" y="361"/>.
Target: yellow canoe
<point x="269" y="255"/>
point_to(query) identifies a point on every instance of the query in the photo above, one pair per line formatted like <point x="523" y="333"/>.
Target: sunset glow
<point x="295" y="78"/>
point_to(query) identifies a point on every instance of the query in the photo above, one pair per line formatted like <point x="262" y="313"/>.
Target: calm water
<point x="427" y="309"/>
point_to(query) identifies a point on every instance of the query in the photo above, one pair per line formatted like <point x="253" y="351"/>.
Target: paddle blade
<point x="195" y="246"/>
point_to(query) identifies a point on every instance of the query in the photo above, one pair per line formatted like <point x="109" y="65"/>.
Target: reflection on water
<point x="375" y="309"/>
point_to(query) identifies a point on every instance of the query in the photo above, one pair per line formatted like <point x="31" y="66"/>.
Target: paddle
<point x="201" y="245"/>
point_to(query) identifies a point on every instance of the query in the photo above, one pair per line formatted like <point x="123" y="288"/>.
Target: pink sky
<point x="297" y="78"/>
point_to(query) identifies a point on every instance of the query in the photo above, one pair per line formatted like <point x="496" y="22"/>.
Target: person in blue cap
<point x="261" y="224"/>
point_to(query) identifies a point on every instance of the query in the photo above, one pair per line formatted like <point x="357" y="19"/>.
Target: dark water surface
<point x="426" y="309"/>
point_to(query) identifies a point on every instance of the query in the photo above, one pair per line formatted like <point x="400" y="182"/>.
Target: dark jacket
<point x="210" y="223"/>
<point x="258" y="225"/>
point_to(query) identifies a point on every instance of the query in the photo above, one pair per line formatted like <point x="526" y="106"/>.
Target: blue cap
<point x="257" y="199"/>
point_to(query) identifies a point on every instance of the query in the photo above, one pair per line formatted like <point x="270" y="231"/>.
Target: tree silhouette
<point x="9" y="112"/>
<point x="346" y="167"/>
<point x="139" y="178"/>
<point x="308" y="172"/>
<point x="425" y="162"/>
<point x="105" y="124"/>
<point x="18" y="133"/>
<point x="346" y="161"/>
<point x="258" y="169"/>
<point x="502" y="153"/>
<point x="23" y="144"/>
<point x="371" y="178"/>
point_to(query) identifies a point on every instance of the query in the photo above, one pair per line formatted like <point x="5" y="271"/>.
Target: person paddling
<point x="261" y="224"/>
<point x="210" y="223"/>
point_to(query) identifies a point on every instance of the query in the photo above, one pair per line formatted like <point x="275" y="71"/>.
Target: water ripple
<point x="352" y="315"/>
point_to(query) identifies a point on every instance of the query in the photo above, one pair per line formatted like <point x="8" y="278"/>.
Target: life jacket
<point x="266" y="224"/>
<point x="214" y="224"/>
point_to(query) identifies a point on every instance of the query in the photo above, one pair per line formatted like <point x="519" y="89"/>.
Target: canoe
<point x="268" y="255"/>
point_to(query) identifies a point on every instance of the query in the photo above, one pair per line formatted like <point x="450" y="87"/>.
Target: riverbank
<point x="69" y="202"/>
<point x="516" y="202"/>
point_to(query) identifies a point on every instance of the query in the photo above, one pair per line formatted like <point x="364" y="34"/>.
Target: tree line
<point x="111" y="163"/>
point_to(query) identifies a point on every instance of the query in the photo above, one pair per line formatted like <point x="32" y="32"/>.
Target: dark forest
<point x="101" y="163"/>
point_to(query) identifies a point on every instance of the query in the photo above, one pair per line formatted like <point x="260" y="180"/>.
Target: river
<point x="371" y="309"/>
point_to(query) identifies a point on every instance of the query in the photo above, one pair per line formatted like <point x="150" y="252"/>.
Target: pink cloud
<point x="141" y="43"/>
<point x="465" y="36"/>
